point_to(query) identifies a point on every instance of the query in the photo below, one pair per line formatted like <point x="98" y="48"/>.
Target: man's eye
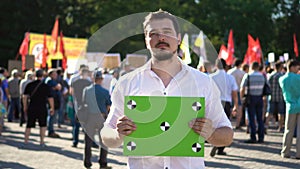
<point x="153" y="34"/>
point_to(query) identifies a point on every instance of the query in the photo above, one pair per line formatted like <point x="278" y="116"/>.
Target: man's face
<point x="54" y="75"/>
<point x="294" y="69"/>
<point x="161" y="39"/>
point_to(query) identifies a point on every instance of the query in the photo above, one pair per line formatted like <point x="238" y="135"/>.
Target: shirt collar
<point x="184" y="66"/>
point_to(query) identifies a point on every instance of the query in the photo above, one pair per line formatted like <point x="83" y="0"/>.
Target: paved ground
<point x="59" y="154"/>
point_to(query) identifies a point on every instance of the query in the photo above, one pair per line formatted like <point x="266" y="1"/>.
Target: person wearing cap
<point x="29" y="77"/>
<point x="14" y="95"/>
<point x="56" y="92"/>
<point x="289" y="84"/>
<point x="35" y="99"/>
<point x="98" y="102"/>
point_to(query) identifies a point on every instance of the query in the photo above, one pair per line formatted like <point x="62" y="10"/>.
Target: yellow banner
<point x="74" y="48"/>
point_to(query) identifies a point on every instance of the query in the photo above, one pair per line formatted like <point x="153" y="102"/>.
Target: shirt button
<point x="165" y="94"/>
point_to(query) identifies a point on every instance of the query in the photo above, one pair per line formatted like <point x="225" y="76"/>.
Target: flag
<point x="199" y="49"/>
<point x="258" y="52"/>
<point x="184" y="46"/>
<point x="24" y="49"/>
<point x="62" y="51"/>
<point x="223" y="53"/>
<point x="45" y="52"/>
<point x="230" y="49"/>
<point x="295" y="46"/>
<point x="199" y="46"/>
<point x="253" y="53"/>
<point x="54" y="35"/>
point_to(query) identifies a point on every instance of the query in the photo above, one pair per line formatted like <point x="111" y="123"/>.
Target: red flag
<point x="62" y="51"/>
<point x="45" y="52"/>
<point x="55" y="35"/>
<point x="258" y="51"/>
<point x="24" y="49"/>
<point x="230" y="48"/>
<point x="295" y="45"/>
<point x="253" y="53"/>
<point x="223" y="53"/>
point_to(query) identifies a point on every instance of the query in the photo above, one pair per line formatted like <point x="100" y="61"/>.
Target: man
<point x="166" y="75"/>
<point x="56" y="92"/>
<point x="39" y="94"/>
<point x="238" y="74"/>
<point x="4" y="86"/>
<point x="255" y="108"/>
<point x="228" y="88"/>
<point x="291" y="93"/>
<point x="276" y="101"/>
<point x="98" y="102"/>
<point x="29" y="77"/>
<point x="76" y="90"/>
<point x="14" y="95"/>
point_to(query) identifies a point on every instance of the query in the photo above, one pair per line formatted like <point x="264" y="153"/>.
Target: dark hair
<point x="2" y="70"/>
<point x="238" y="62"/>
<point x="221" y="63"/>
<point x="278" y="65"/>
<point x="292" y="63"/>
<point x="255" y="65"/>
<point x="39" y="73"/>
<point x="160" y="14"/>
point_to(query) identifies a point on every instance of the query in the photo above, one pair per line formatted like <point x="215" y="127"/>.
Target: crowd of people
<point x="94" y="99"/>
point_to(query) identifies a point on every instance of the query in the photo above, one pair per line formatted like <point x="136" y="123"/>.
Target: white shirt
<point x="106" y="81"/>
<point x="188" y="82"/>
<point x="226" y="84"/>
<point x="238" y="74"/>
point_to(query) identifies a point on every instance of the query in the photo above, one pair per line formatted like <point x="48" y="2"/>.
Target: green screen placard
<point x="162" y="126"/>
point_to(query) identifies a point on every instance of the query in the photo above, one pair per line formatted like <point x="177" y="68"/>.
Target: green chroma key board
<point x="162" y="126"/>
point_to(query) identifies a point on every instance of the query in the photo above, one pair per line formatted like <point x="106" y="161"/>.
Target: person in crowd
<point x="36" y="109"/>
<point x="107" y="78"/>
<point x="166" y="75"/>
<point x="3" y="110"/>
<point x="63" y="95"/>
<point x="244" y="120"/>
<point x="76" y="90"/>
<point x="291" y="94"/>
<point x="4" y="73"/>
<point x="29" y="77"/>
<point x="228" y="88"/>
<point x="207" y="68"/>
<point x="238" y="75"/>
<point x="14" y="95"/>
<point x="98" y="102"/>
<point x="116" y="75"/>
<point x="255" y="109"/>
<point x="77" y="75"/>
<point x="276" y="101"/>
<point x="56" y="92"/>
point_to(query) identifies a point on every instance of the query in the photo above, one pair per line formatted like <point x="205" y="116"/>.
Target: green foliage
<point x="272" y="21"/>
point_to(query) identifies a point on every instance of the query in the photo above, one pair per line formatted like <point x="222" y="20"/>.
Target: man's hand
<point x="203" y="127"/>
<point x="125" y="126"/>
<point x="51" y="112"/>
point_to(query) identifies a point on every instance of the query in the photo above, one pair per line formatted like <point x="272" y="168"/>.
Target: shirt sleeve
<point x="234" y="85"/>
<point x="117" y="109"/>
<point x="214" y="110"/>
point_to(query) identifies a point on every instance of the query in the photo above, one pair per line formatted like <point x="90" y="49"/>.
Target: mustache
<point x="162" y="43"/>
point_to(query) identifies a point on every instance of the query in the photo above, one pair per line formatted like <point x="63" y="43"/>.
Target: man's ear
<point x="179" y="38"/>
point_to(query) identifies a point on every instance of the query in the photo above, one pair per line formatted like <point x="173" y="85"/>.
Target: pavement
<point x="59" y="154"/>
